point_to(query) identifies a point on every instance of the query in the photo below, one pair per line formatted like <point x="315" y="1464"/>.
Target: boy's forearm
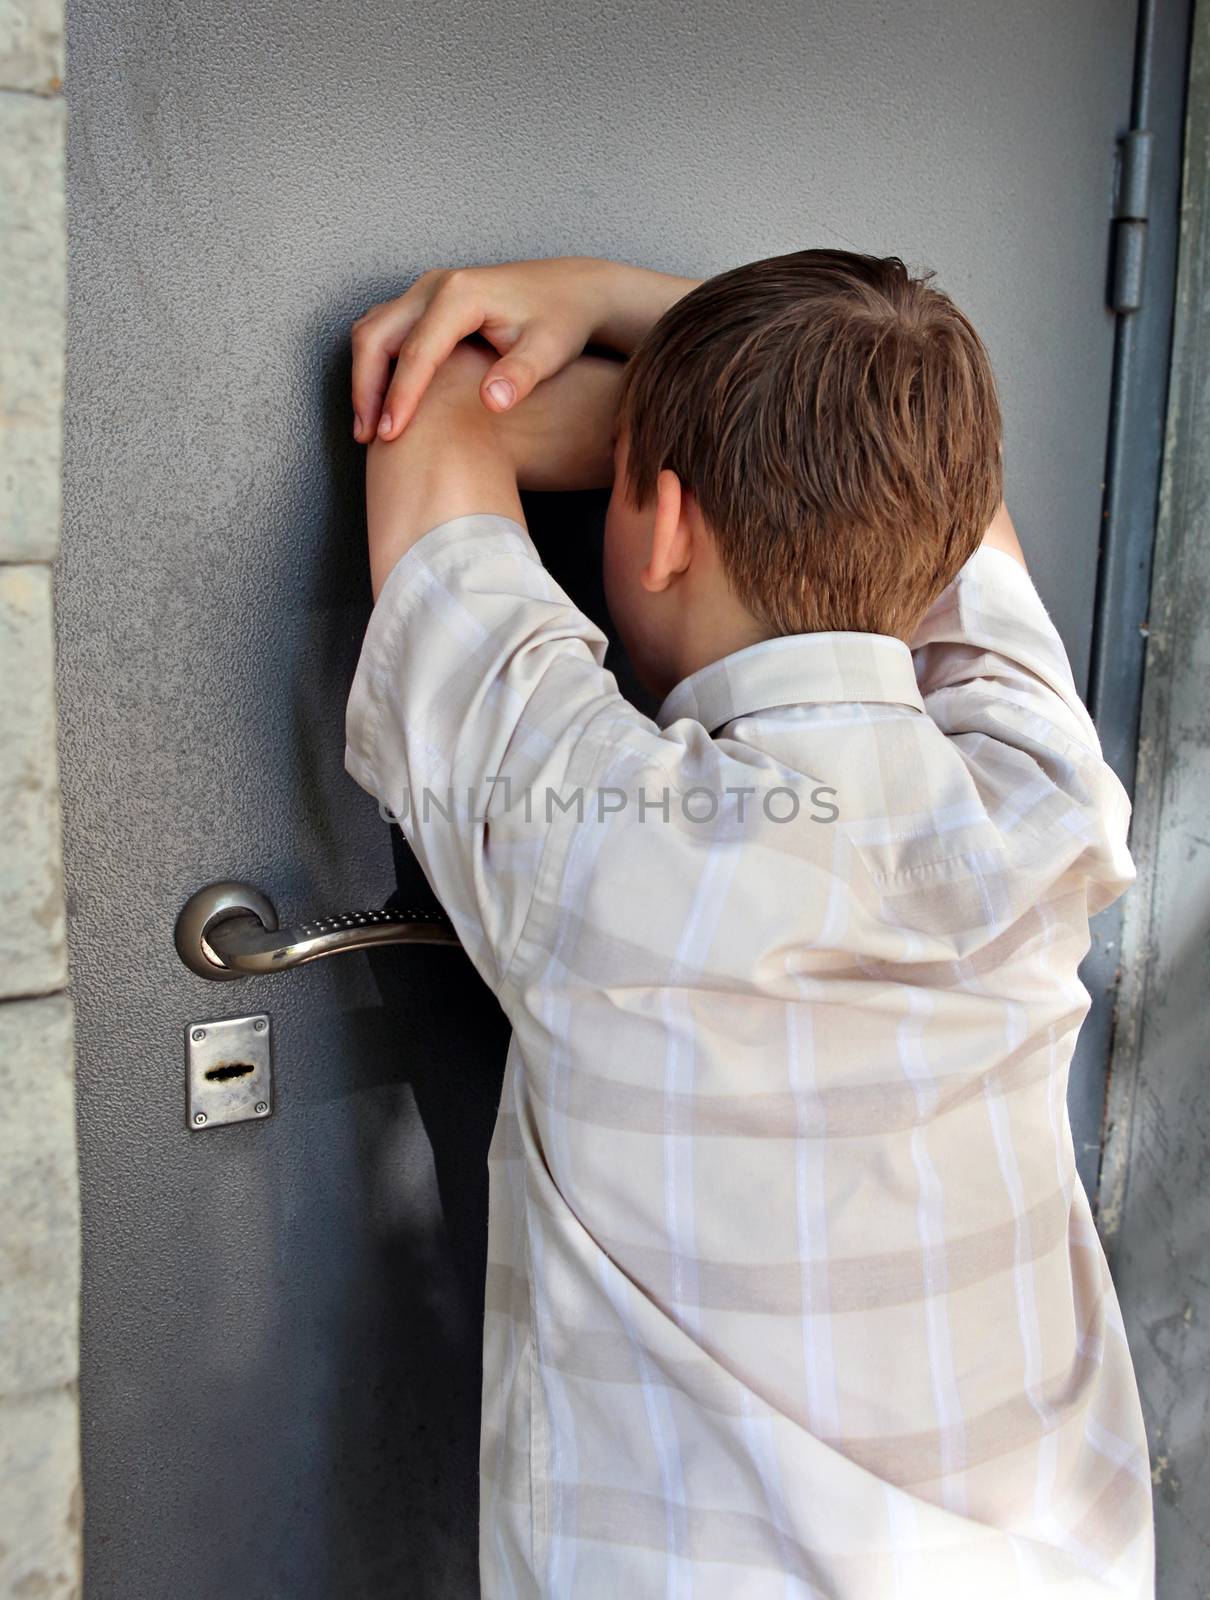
<point x="632" y="299"/>
<point x="561" y="435"/>
<point x="455" y="458"/>
<point x="442" y="466"/>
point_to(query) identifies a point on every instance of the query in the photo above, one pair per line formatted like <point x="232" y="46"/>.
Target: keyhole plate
<point x="228" y="1071"/>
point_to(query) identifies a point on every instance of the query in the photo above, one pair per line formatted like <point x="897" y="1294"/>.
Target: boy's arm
<point x="447" y="464"/>
<point x="538" y="316"/>
<point x="994" y="676"/>
<point x="481" y="687"/>
<point x="457" y="458"/>
<point x="989" y="632"/>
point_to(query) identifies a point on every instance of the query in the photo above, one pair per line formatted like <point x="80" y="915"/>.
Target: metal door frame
<point x="1142" y="267"/>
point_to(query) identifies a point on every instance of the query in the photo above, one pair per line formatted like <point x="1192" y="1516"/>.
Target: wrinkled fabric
<point x="792" y="1288"/>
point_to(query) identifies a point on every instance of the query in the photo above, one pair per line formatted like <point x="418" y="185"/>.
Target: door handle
<point x="229" y="930"/>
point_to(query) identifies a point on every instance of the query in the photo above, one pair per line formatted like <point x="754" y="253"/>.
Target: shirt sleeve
<point x="478" y="681"/>
<point x="994" y="676"/>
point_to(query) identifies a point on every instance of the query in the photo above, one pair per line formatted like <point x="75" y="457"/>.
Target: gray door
<point x="282" y="1318"/>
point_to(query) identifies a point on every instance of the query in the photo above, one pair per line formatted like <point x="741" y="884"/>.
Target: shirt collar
<point x="796" y="669"/>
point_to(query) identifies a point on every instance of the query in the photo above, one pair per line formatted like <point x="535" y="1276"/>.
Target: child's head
<point x="810" y="442"/>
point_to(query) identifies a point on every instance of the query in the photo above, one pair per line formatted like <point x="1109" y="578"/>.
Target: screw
<point x="200" y="1118"/>
<point x="261" y="1107"/>
<point x="260" y="1024"/>
<point x="198" y="1035"/>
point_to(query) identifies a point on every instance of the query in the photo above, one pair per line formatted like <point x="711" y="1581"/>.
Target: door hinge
<point x="1130" y="219"/>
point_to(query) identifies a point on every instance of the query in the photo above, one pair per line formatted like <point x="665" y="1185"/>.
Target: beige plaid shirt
<point x="792" y="1288"/>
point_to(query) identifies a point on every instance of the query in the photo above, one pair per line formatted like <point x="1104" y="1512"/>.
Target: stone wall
<point x="40" y="1509"/>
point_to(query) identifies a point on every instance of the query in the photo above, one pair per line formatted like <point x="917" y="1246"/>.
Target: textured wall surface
<point x="1155" y="1212"/>
<point x="282" y="1320"/>
<point x="39" y="1200"/>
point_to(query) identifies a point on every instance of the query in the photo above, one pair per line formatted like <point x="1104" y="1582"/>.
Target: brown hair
<point x="838" y="423"/>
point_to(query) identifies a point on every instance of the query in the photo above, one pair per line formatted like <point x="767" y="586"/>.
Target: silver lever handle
<point x="229" y="930"/>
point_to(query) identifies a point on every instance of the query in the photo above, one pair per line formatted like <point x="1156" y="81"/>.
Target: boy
<point x="792" y="1289"/>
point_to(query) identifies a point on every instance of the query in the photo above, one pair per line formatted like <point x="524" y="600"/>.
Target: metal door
<point x="281" y="1318"/>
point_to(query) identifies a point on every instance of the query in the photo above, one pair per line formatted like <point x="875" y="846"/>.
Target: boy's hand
<point x="456" y="458"/>
<point x="559" y="437"/>
<point x="537" y="315"/>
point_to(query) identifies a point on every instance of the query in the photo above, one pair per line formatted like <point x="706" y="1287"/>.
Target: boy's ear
<point x="671" y="535"/>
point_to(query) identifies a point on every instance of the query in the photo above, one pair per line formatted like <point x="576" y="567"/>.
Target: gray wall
<point x="281" y="1320"/>
<point x="40" y="1231"/>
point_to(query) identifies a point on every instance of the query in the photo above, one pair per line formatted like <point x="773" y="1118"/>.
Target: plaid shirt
<point x="792" y="1289"/>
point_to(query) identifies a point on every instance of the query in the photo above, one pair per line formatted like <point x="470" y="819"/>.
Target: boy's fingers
<point x="418" y="359"/>
<point x="448" y="320"/>
<point x="370" y="369"/>
<point x="413" y="373"/>
<point x="378" y="337"/>
<point x="376" y="340"/>
<point x="420" y="330"/>
<point x="537" y="354"/>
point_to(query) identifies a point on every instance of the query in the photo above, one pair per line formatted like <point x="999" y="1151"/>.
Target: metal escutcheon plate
<point x="228" y="1071"/>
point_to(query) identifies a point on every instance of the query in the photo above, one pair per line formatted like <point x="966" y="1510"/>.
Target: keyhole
<point x="229" y="1069"/>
